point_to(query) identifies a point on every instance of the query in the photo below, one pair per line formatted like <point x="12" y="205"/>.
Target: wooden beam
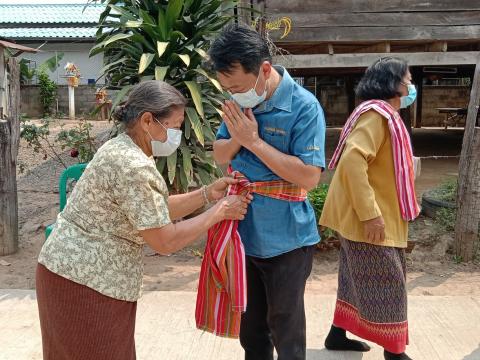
<point x="318" y="19"/>
<point x="366" y="6"/>
<point x="387" y="33"/>
<point x="383" y="47"/>
<point x="365" y="60"/>
<point x="9" y="139"/>
<point x="468" y="195"/>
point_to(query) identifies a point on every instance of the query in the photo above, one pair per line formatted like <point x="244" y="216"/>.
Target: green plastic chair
<point x="71" y="173"/>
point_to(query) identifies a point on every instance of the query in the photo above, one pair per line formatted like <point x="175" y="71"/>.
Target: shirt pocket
<point x="276" y="137"/>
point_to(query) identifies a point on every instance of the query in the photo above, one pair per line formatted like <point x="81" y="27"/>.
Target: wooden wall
<point x="372" y="20"/>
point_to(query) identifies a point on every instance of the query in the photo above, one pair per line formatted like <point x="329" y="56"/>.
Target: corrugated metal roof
<point x="50" y="14"/>
<point x="48" y="33"/>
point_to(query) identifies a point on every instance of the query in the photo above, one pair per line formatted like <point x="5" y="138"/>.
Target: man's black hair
<point x="239" y="44"/>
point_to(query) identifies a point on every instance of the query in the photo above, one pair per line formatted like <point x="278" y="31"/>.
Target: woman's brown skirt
<point x="372" y="294"/>
<point x="79" y="323"/>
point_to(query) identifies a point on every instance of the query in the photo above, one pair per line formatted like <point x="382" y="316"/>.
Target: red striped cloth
<point x="402" y="153"/>
<point x="222" y="289"/>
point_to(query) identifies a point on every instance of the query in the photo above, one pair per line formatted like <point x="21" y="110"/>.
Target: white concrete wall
<point x="73" y="52"/>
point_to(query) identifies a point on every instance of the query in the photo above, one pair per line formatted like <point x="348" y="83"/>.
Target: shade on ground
<point x="441" y="328"/>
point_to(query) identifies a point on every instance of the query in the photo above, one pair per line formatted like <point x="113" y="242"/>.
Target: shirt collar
<point x="282" y="96"/>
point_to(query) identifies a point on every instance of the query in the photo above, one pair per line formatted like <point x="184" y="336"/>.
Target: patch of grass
<point x="445" y="218"/>
<point x="446" y="191"/>
<point x="457" y="259"/>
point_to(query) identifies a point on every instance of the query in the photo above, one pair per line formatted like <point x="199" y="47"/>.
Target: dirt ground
<point x="432" y="270"/>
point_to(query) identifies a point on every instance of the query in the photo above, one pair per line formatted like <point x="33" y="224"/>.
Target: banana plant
<point x="168" y="40"/>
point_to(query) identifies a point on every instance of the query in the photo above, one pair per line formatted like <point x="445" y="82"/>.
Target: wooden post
<point x="9" y="140"/>
<point x="2" y="78"/>
<point x="244" y="12"/>
<point x="468" y="196"/>
<point x="417" y="77"/>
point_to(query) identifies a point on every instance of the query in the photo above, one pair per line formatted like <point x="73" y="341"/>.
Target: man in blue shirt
<point x="273" y="129"/>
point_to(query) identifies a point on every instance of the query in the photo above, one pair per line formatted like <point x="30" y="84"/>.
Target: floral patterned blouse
<point x="96" y="240"/>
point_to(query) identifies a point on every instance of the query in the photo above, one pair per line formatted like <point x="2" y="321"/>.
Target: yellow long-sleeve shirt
<point x="363" y="186"/>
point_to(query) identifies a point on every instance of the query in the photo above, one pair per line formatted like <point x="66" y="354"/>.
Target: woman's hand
<point x="218" y="189"/>
<point x="232" y="207"/>
<point x="375" y="229"/>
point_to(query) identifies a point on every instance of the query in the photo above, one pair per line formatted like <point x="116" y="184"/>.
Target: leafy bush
<point x="78" y="139"/>
<point x="48" y="92"/>
<point x="168" y="40"/>
<point x="317" y="198"/>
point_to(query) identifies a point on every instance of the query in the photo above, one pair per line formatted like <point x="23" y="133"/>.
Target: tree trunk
<point x="468" y="197"/>
<point x="9" y="139"/>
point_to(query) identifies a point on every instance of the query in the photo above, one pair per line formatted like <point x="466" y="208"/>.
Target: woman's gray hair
<point x="155" y="97"/>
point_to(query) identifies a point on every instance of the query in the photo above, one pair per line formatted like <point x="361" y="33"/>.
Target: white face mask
<point x="249" y="99"/>
<point x="167" y="148"/>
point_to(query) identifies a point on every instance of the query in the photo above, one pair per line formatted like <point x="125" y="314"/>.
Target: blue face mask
<point x="406" y="101"/>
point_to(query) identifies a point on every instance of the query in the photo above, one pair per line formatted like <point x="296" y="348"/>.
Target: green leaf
<point x="201" y="52"/>
<point x="133" y="23"/>
<point x="123" y="12"/>
<point x="161" y="47"/>
<point x="212" y="80"/>
<point x="205" y="177"/>
<point x="185" y="58"/>
<point x="179" y="35"/>
<point x="196" y="124"/>
<point x="160" y="72"/>
<point x="187" y="160"/>
<point x="187" y="129"/>
<point x="162" y="24"/>
<point x="184" y="183"/>
<point x="161" y="162"/>
<point x="196" y="96"/>
<point x="116" y="37"/>
<point x="110" y="65"/>
<point x="172" y="165"/>
<point x="148" y="20"/>
<point x="145" y="60"/>
<point x="121" y="94"/>
<point x="174" y="9"/>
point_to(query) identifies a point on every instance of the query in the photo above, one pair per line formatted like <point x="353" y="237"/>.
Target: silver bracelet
<point x="205" y="197"/>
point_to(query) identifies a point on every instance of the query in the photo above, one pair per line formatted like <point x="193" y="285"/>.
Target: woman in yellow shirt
<point x="90" y="268"/>
<point x="370" y="201"/>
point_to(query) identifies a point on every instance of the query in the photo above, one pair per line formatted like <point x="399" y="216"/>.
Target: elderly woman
<point x="370" y="201"/>
<point x="90" y="269"/>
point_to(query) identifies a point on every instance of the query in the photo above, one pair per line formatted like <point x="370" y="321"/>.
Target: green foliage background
<point x="168" y="40"/>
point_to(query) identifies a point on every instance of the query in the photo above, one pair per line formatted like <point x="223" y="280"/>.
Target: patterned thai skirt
<point x="372" y="294"/>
